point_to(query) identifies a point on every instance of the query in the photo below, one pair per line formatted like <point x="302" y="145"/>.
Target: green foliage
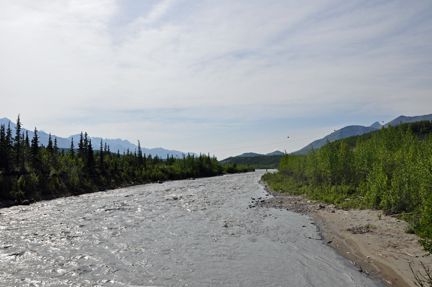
<point x="410" y="230"/>
<point x="426" y="226"/>
<point x="371" y="226"/>
<point x="390" y="169"/>
<point x="264" y="161"/>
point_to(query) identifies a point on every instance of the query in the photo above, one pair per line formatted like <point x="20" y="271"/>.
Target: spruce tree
<point x="27" y="141"/>
<point x="50" y="145"/>
<point x="8" y="149"/>
<point x="2" y="146"/>
<point x="56" y="149"/>
<point x="86" y="144"/>
<point x="25" y="149"/>
<point x="90" y="157"/>
<point x="140" y="157"/>
<point x="107" y="150"/>
<point x="71" y="151"/>
<point x="9" y="140"/>
<point x="35" y="149"/>
<point x="101" y="155"/>
<point x="81" y="146"/>
<point x="18" y="143"/>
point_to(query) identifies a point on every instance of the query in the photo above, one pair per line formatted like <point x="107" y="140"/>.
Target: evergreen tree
<point x="144" y="161"/>
<point x="2" y="147"/>
<point x="101" y="156"/>
<point x="9" y="140"/>
<point x="35" y="150"/>
<point x="50" y="145"/>
<point x="81" y="146"/>
<point x="18" y="143"/>
<point x="90" y="157"/>
<point x="27" y="140"/>
<point x="26" y="150"/>
<point x="86" y="144"/>
<point x="8" y="145"/>
<point x="107" y="150"/>
<point x="140" y="157"/>
<point x="71" y="151"/>
<point x="55" y="147"/>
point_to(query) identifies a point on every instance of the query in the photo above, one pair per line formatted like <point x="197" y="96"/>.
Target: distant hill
<point x="270" y="160"/>
<point x="276" y="152"/>
<point x="114" y="144"/>
<point x="350" y="131"/>
<point x="252" y="154"/>
<point x="249" y="154"/>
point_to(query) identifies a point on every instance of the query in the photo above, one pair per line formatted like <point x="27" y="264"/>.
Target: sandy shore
<point x="377" y="247"/>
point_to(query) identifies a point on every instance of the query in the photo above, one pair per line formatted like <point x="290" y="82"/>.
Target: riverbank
<point x="375" y="244"/>
<point x="42" y="197"/>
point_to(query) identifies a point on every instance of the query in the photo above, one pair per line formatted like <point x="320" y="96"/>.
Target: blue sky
<point x="219" y="77"/>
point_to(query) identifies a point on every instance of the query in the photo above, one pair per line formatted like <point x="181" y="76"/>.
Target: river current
<point x="181" y="233"/>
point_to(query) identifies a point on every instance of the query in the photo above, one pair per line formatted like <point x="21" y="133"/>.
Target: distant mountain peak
<point x="376" y="125"/>
<point x="276" y="152"/>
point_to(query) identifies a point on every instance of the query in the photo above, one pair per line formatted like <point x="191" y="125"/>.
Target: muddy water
<point x="182" y="233"/>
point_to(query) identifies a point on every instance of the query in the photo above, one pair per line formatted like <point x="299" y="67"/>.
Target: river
<point x="181" y="233"/>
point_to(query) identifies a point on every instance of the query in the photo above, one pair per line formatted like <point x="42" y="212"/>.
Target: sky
<point x="219" y="77"/>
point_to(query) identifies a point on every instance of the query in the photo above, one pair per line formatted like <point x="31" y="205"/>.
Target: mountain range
<point x="342" y="133"/>
<point x="122" y="145"/>
<point x="114" y="144"/>
<point x="355" y="130"/>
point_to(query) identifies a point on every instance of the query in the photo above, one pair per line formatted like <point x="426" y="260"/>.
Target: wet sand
<point x="377" y="247"/>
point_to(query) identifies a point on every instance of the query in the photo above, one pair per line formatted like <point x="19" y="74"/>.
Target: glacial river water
<point x="181" y="233"/>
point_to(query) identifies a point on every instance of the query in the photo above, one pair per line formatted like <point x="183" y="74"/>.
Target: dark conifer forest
<point x="29" y="171"/>
<point x="389" y="169"/>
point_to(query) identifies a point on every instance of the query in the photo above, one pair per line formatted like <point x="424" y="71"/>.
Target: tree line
<point x="29" y="170"/>
<point x="389" y="169"/>
<point x="261" y="161"/>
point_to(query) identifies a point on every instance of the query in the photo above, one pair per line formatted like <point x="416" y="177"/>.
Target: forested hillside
<point x="29" y="170"/>
<point x="261" y="161"/>
<point x="389" y="169"/>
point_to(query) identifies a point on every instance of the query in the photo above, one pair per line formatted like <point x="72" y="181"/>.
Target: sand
<point x="378" y="247"/>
